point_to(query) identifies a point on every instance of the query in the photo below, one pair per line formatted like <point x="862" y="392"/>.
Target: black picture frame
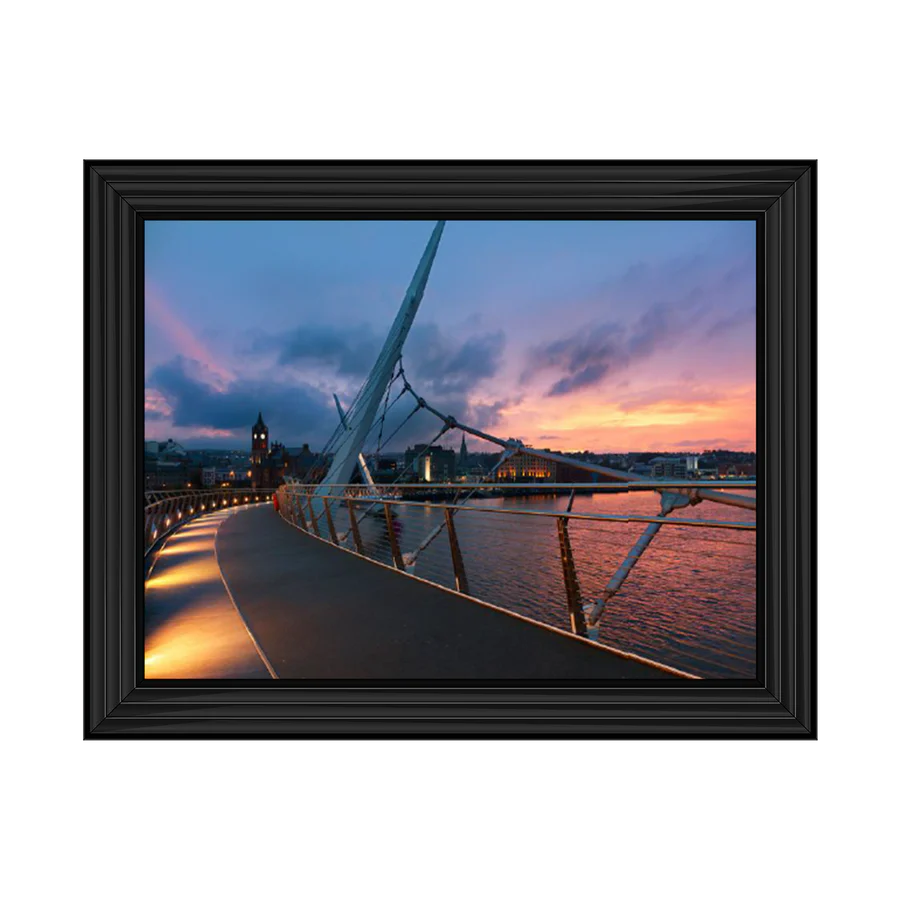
<point x="120" y="195"/>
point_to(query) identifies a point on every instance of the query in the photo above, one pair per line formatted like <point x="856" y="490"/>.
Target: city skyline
<point x="603" y="336"/>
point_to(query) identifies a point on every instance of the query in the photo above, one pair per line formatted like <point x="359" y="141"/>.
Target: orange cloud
<point x="669" y="417"/>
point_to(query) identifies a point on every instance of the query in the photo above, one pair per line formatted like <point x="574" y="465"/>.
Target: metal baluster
<point x="392" y="537"/>
<point x="314" y="524"/>
<point x="354" y="527"/>
<point x="570" y="576"/>
<point x="459" y="569"/>
<point x="332" y="532"/>
<point x="297" y="506"/>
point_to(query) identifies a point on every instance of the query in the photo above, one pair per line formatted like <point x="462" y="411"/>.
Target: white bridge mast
<point x="359" y="418"/>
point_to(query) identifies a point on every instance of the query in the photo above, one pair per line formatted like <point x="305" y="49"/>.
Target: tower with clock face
<point x="259" y="447"/>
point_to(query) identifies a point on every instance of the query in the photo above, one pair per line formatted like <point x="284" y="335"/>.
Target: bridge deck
<point x="319" y="612"/>
<point x="192" y="629"/>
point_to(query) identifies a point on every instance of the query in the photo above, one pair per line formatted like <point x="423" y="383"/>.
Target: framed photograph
<point x="450" y="449"/>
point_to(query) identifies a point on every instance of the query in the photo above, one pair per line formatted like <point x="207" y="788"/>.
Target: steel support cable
<point x="414" y="410"/>
<point x="410" y="558"/>
<point x="387" y="397"/>
<point x="393" y="434"/>
<point x="643" y="542"/>
<point x="343" y="434"/>
<point x="406" y="468"/>
<point x="368" y="387"/>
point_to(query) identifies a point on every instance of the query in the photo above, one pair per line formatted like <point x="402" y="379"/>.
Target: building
<point x="737" y="470"/>
<point x="437" y="464"/>
<point x="300" y="460"/>
<point x="462" y="462"/>
<point x="271" y="462"/>
<point x="676" y="468"/>
<point x="259" y="446"/>
<point x="567" y="474"/>
<point x="166" y="466"/>
<point x="527" y="467"/>
<point x="267" y="467"/>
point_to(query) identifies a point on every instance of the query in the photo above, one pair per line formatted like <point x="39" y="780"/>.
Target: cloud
<point x="487" y="415"/>
<point x="423" y="426"/>
<point x="675" y="397"/>
<point x="705" y="443"/>
<point x="729" y="323"/>
<point x="292" y="411"/>
<point x="349" y="350"/>
<point x="589" y="355"/>
<point x="444" y="365"/>
<point x="156" y="409"/>
<point x="448" y="371"/>
<point x="673" y="297"/>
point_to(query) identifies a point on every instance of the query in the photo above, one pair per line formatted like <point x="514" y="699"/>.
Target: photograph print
<point x="403" y="451"/>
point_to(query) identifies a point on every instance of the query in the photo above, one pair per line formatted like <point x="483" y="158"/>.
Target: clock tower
<point x="259" y="447"/>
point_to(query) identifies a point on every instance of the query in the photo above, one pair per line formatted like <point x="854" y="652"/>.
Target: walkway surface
<point x="192" y="628"/>
<point x="318" y="612"/>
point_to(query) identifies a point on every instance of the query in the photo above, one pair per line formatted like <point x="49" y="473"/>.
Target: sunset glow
<point x="607" y="336"/>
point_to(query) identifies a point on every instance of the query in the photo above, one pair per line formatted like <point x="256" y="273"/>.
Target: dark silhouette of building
<point x="270" y="463"/>
<point x="435" y="464"/>
<point x="259" y="447"/>
<point x="462" y="463"/>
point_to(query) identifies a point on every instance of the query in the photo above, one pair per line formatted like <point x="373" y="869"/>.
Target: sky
<point x="609" y="336"/>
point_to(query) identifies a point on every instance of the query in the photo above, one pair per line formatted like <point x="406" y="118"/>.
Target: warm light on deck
<point x="206" y="637"/>
<point x="192" y="546"/>
<point x="198" y="646"/>
<point x="189" y="573"/>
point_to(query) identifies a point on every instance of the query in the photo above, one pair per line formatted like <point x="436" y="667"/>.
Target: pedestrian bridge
<point x="235" y="590"/>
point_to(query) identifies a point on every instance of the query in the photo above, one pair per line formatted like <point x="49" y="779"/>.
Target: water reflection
<point x="690" y="601"/>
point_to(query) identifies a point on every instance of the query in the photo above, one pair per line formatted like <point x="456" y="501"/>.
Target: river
<point x="689" y="602"/>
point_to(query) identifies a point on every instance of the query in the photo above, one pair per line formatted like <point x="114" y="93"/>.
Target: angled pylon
<point x="359" y="418"/>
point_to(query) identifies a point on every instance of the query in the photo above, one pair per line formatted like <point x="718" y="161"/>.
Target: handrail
<point x="309" y="507"/>
<point x="173" y="508"/>
<point x="618" y="486"/>
<point x="549" y="513"/>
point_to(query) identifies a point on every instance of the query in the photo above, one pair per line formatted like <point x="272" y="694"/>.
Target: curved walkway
<point x="322" y="612"/>
<point x="192" y="628"/>
<point x="243" y="594"/>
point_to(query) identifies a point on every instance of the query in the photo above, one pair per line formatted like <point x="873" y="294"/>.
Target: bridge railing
<point x="567" y="556"/>
<point x="164" y="511"/>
